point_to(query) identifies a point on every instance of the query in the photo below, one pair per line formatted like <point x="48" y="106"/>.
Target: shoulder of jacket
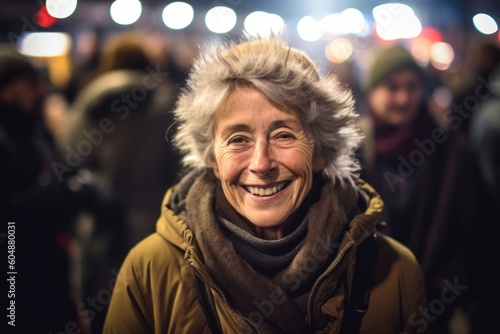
<point x="393" y="251"/>
<point x="154" y="254"/>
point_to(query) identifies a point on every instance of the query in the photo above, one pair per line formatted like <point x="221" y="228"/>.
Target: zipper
<point x="331" y="268"/>
<point x="209" y="281"/>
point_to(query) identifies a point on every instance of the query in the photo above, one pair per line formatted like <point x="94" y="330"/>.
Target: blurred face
<point x="25" y="94"/>
<point x="397" y="100"/>
<point x="264" y="158"/>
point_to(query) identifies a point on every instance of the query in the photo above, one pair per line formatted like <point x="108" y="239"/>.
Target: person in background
<point x="472" y="94"/>
<point x="435" y="200"/>
<point x="86" y="60"/>
<point x="270" y="230"/>
<point x="35" y="200"/>
<point x="118" y="141"/>
<point x="485" y="139"/>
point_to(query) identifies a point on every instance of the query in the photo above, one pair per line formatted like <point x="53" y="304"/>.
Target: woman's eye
<point x="284" y="136"/>
<point x="237" y="140"/>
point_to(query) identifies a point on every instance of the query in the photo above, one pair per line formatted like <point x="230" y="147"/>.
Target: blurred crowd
<point x="84" y="170"/>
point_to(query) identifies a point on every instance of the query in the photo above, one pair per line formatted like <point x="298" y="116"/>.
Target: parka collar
<point x="172" y="226"/>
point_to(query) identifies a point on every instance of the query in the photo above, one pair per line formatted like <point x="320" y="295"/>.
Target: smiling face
<point x="264" y="158"/>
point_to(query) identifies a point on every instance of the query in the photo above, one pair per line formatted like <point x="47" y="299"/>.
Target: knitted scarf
<point x="250" y="291"/>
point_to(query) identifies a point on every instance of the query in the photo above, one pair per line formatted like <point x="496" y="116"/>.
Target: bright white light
<point x="309" y="29"/>
<point x="396" y="21"/>
<point x="354" y="20"/>
<point x="276" y="24"/>
<point x="441" y="55"/>
<point x="350" y="21"/>
<point x="61" y="9"/>
<point x="333" y="24"/>
<point x="125" y="12"/>
<point x="178" y="15"/>
<point x="485" y="24"/>
<point x="220" y="19"/>
<point x="252" y="23"/>
<point x="263" y="24"/>
<point x="339" y="50"/>
<point x="44" y="44"/>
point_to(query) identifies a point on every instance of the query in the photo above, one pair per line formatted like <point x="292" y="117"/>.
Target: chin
<point x="266" y="222"/>
<point x="400" y="120"/>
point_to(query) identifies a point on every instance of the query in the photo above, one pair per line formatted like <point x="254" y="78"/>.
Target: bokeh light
<point x="349" y="21"/>
<point x="442" y="96"/>
<point x="485" y="24"/>
<point x="333" y="24"/>
<point x="220" y="19"/>
<point x="125" y="12"/>
<point x="396" y="21"/>
<point x="61" y="9"/>
<point x="178" y="15"/>
<point x="44" y="44"/>
<point x="263" y="24"/>
<point x="309" y="29"/>
<point x="420" y="50"/>
<point x="44" y="19"/>
<point x="431" y="34"/>
<point x="354" y="21"/>
<point x="339" y="50"/>
<point x="441" y="55"/>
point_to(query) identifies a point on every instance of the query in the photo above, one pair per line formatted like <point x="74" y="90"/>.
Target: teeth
<point x="265" y="191"/>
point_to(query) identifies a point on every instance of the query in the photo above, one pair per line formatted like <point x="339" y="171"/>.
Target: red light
<point x="433" y="35"/>
<point x="44" y="19"/>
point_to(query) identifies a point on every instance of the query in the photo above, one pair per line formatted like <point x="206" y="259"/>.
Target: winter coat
<point x="155" y="291"/>
<point x="449" y="212"/>
<point x="449" y="205"/>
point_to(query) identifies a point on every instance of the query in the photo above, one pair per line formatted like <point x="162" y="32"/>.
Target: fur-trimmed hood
<point x="288" y="78"/>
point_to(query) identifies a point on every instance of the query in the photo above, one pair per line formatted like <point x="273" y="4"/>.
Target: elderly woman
<point x="267" y="231"/>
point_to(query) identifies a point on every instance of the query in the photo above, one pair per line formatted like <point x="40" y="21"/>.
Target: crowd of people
<point x="85" y="196"/>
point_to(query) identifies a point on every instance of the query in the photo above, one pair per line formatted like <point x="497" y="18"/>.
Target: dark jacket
<point x="445" y="205"/>
<point x="117" y="141"/>
<point x="38" y="207"/>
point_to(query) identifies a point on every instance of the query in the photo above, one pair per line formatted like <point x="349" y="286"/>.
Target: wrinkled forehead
<point x="247" y="98"/>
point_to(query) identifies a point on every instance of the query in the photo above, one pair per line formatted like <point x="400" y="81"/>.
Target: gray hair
<point x="288" y="78"/>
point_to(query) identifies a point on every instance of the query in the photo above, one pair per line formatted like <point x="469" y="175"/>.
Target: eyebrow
<point x="227" y="131"/>
<point x="286" y="123"/>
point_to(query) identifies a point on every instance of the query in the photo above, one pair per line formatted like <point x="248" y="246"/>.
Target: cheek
<point x="300" y="160"/>
<point x="379" y="101"/>
<point x="226" y="166"/>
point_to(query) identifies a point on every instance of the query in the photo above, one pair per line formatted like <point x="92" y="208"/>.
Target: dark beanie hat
<point x="389" y="61"/>
<point x="13" y="66"/>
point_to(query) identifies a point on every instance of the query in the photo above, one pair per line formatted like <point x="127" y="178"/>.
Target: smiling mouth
<point x="267" y="191"/>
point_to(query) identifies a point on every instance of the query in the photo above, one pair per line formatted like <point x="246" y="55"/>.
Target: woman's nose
<point x="262" y="160"/>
